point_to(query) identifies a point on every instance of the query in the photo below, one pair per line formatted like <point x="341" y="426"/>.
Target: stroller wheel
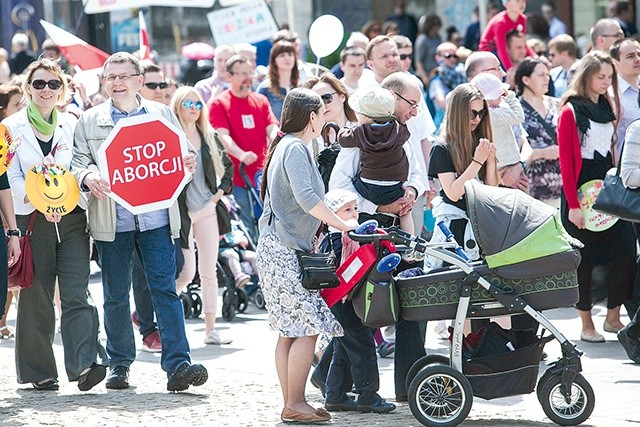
<point x="258" y="298"/>
<point x="229" y="304"/>
<point x="196" y="301"/>
<point x="440" y="396"/>
<point x="427" y="360"/>
<point x="187" y="305"/>
<point x="566" y="412"/>
<point x="243" y="300"/>
<point x="388" y="263"/>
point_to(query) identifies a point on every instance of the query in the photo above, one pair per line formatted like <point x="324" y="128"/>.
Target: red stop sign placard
<point x="142" y="160"/>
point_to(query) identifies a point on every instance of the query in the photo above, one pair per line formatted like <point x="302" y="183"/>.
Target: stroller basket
<point x="435" y="296"/>
<point x="506" y="364"/>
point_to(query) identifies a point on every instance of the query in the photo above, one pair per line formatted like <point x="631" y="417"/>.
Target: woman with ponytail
<point x="60" y="244"/>
<point x="293" y="193"/>
<point x="198" y="201"/>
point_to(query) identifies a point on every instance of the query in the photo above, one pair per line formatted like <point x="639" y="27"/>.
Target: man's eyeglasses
<point x="404" y="56"/>
<point x="124" y="78"/>
<point x="449" y="55"/>
<point x="496" y="68"/>
<point x="414" y="105"/>
<point x="616" y="35"/>
<point x="154" y="86"/>
<point x="327" y="98"/>
<point x="40" y="84"/>
<point x="478" y="114"/>
<point x="187" y="104"/>
<point x="244" y="74"/>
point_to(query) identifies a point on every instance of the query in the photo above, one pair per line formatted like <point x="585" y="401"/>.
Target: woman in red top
<point x="585" y="139"/>
<point x="494" y="37"/>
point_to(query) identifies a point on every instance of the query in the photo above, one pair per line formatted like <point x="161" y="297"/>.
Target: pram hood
<point x="519" y="235"/>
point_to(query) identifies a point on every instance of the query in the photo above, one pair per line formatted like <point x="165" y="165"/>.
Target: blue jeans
<point x="157" y="253"/>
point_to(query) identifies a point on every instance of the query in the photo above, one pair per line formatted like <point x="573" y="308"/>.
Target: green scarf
<point x="38" y="122"/>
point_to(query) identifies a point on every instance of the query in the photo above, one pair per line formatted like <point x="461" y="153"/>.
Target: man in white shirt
<point x="352" y="62"/>
<point x="626" y="54"/>
<point x="563" y="53"/>
<point x="556" y="26"/>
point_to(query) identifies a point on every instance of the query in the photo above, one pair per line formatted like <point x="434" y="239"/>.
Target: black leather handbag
<point x="318" y="270"/>
<point x="616" y="199"/>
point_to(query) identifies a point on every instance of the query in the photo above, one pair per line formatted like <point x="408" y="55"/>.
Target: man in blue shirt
<point x="118" y="233"/>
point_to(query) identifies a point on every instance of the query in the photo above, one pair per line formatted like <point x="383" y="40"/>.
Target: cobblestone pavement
<point x="243" y="391"/>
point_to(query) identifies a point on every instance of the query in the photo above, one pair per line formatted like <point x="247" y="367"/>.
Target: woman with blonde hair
<point x="62" y="244"/>
<point x="197" y="202"/>
<point x="586" y="129"/>
<point x="283" y="75"/>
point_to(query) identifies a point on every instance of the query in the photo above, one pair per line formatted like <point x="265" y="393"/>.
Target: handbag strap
<point x="32" y="221"/>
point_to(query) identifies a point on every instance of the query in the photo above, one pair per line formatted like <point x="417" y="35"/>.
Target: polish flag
<point x="78" y="53"/>
<point x="145" y="48"/>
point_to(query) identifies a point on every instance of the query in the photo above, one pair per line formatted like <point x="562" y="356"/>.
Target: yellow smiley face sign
<point x="52" y="191"/>
<point x="5" y="142"/>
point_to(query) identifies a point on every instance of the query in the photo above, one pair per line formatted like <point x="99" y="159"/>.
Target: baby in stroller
<point x="237" y="250"/>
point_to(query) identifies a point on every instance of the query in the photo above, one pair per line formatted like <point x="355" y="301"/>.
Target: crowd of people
<point x="415" y="117"/>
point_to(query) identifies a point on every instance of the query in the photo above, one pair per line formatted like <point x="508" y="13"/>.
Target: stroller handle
<point x="395" y="235"/>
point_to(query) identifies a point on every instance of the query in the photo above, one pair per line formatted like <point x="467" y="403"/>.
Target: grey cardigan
<point x="294" y="186"/>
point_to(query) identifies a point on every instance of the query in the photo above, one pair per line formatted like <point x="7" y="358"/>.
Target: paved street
<point x="243" y="391"/>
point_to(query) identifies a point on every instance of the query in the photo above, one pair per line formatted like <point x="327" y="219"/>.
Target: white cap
<point x="337" y="198"/>
<point x="376" y="103"/>
<point x="491" y="86"/>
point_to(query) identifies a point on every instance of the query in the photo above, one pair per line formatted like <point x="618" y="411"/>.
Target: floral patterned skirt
<point x="293" y="311"/>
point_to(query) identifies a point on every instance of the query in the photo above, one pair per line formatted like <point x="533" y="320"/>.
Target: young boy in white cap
<point x="384" y="166"/>
<point x="349" y="361"/>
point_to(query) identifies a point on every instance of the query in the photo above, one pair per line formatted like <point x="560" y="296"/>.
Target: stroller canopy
<point x="519" y="235"/>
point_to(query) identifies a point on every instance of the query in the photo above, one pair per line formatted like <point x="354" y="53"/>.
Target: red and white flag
<point x="145" y="48"/>
<point x="78" y="53"/>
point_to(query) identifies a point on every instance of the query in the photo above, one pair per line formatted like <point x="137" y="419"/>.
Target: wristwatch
<point x="15" y="232"/>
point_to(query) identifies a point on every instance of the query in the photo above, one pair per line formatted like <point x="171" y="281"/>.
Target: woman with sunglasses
<point x="45" y="132"/>
<point x="335" y="97"/>
<point x="464" y="152"/>
<point x="586" y="127"/>
<point x="199" y="221"/>
<point x="283" y="75"/>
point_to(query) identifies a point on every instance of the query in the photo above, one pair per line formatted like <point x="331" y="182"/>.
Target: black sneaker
<point x="187" y="375"/>
<point x="631" y="346"/>
<point x="118" y="378"/>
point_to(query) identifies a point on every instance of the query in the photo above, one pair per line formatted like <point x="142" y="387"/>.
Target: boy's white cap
<point x="491" y="86"/>
<point x="376" y="103"/>
<point x="337" y="198"/>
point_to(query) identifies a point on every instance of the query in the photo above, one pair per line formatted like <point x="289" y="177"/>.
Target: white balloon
<point x="325" y="35"/>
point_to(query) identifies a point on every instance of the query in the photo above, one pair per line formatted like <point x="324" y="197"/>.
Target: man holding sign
<point x="118" y="233"/>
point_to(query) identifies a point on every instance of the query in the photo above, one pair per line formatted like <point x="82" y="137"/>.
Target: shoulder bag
<point x="20" y="274"/>
<point x="616" y="199"/>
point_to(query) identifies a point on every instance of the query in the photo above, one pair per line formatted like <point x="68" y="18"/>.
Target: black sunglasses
<point x="153" y="86"/>
<point x="478" y="114"/>
<point x="40" y="84"/>
<point x="327" y="98"/>
<point x="450" y="55"/>
<point x="404" y="56"/>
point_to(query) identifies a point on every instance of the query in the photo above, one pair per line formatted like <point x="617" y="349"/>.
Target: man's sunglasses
<point x="153" y="86"/>
<point x="40" y="84"/>
<point x="450" y="55"/>
<point x="404" y="56"/>
<point x="189" y="103"/>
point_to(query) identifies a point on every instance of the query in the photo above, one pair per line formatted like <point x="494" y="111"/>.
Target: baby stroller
<point x="529" y="265"/>
<point x="238" y="240"/>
